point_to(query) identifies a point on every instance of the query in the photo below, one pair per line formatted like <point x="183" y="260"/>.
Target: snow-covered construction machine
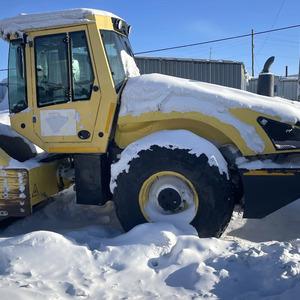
<point x="164" y="149"/>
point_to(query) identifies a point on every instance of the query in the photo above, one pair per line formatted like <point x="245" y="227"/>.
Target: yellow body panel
<point x="249" y="117"/>
<point x="43" y="182"/>
<point x="271" y="173"/>
<point x="21" y="189"/>
<point x="4" y="158"/>
<point x="131" y="128"/>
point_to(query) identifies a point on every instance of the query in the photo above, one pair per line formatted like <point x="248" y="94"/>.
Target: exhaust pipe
<point x="265" y="85"/>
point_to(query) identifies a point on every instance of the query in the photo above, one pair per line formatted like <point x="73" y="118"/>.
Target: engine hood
<point x="157" y="92"/>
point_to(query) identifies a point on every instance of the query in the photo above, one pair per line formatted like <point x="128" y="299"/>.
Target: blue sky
<point x="161" y="24"/>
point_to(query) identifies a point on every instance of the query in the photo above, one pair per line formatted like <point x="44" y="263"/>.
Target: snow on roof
<point x="157" y="92"/>
<point x="24" y="22"/>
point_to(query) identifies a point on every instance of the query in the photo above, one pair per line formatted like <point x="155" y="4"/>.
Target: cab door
<point x="66" y="95"/>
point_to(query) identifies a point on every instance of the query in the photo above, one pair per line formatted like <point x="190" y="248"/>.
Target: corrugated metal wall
<point x="285" y="87"/>
<point x="226" y="73"/>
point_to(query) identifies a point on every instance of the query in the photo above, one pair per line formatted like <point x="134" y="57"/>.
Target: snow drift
<point x="69" y="251"/>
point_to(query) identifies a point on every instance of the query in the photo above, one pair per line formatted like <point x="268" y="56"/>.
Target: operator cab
<point x="67" y="75"/>
<point x="63" y="66"/>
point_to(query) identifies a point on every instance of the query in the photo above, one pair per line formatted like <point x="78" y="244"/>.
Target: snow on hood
<point x="130" y="67"/>
<point x="157" y="92"/>
<point x="24" y="22"/>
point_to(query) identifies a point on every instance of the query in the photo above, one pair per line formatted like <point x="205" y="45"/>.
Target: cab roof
<point x="19" y="24"/>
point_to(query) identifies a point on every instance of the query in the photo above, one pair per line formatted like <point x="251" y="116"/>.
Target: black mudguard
<point x="268" y="190"/>
<point x="92" y="176"/>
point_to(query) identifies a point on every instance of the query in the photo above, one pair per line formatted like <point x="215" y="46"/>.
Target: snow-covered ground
<point x="70" y="251"/>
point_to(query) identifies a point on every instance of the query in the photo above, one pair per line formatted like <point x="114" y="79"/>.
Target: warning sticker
<point x="35" y="191"/>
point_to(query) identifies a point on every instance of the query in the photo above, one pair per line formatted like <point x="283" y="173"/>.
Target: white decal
<point x="58" y="122"/>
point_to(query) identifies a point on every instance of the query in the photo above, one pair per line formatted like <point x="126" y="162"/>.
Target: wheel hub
<point x="169" y="199"/>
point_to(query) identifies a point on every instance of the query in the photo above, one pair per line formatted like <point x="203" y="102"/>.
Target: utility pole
<point x="252" y="44"/>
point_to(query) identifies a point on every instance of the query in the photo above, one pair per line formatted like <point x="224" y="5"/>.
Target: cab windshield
<point x="116" y="46"/>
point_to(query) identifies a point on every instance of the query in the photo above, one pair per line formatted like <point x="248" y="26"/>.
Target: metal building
<point x="222" y="72"/>
<point x="285" y="87"/>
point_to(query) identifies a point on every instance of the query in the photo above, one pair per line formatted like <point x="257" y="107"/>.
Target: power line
<point x="278" y="14"/>
<point x="218" y="40"/>
<point x="271" y="28"/>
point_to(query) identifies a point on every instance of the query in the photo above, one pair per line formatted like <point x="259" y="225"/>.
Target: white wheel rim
<point x="187" y="208"/>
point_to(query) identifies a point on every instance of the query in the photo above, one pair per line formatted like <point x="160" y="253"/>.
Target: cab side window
<point x="17" y="77"/>
<point x="82" y="71"/>
<point x="52" y="72"/>
<point x="63" y="68"/>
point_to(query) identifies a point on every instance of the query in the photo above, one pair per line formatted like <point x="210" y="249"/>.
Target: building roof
<point x="191" y="59"/>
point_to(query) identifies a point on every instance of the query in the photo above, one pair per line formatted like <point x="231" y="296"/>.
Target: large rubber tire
<point x="212" y="199"/>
